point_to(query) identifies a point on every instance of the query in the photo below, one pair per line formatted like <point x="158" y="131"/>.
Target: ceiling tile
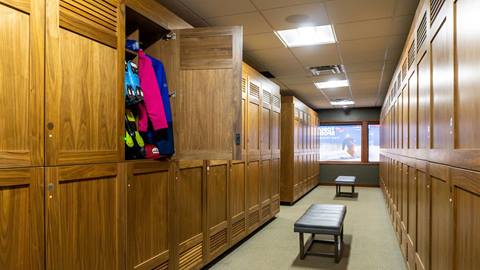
<point x="261" y="41"/>
<point x="214" y="8"/>
<point x="184" y="12"/>
<point x="365" y="66"/>
<point x="354" y="10"/>
<point x="365" y="75"/>
<point x="269" y="4"/>
<point x="269" y="56"/>
<point x="315" y="14"/>
<point x="319" y="55"/>
<point x="279" y="69"/>
<point x="297" y="79"/>
<point x="404" y="7"/>
<point x="401" y="25"/>
<point x="364" y="29"/>
<point x="253" y="23"/>
<point x="364" y="50"/>
<point x="338" y="93"/>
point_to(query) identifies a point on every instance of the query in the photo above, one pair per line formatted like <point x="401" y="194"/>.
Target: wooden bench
<point x="345" y="181"/>
<point x="326" y="219"/>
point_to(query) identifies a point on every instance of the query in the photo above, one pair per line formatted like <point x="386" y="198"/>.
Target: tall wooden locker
<point x="22" y="81"/>
<point x="84" y="81"/>
<point x="265" y="152"/>
<point x="217" y="195"/>
<point x="22" y="218"/>
<point x="190" y="209"/>
<point x="149" y="214"/>
<point x="275" y="144"/>
<point x="237" y="202"/>
<point x="85" y="215"/>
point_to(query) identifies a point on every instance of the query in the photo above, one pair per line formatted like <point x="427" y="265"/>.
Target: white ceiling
<point x="370" y="34"/>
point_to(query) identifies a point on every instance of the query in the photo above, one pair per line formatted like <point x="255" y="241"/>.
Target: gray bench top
<point x="345" y="179"/>
<point x="322" y="219"/>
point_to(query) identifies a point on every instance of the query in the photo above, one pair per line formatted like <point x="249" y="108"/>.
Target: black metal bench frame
<point x="339" y="193"/>
<point x="338" y="246"/>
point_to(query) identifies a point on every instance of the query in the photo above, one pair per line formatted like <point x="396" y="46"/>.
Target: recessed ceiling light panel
<point x="307" y="36"/>
<point x="342" y="102"/>
<point x="332" y="84"/>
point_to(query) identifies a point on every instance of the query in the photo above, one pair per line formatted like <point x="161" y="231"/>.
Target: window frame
<point x="365" y="149"/>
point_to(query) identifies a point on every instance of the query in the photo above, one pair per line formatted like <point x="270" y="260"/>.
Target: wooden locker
<point x="237" y="201"/>
<point x="424" y="102"/>
<point x="275" y="188"/>
<point x="22" y="218"/>
<point x="253" y="195"/>
<point x="412" y="205"/>
<point x="441" y="252"/>
<point x="190" y="212"/>
<point x="149" y="204"/>
<point x="84" y="94"/>
<point x="85" y="215"/>
<point x="265" y="189"/>
<point x="22" y="50"/>
<point x="466" y="206"/>
<point x="254" y="115"/>
<point x="217" y="208"/>
<point x="423" y="221"/>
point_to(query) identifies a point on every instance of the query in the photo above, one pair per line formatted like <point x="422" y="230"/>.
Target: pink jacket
<point x="153" y="107"/>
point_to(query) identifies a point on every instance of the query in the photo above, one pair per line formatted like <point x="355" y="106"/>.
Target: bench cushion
<point x="322" y="219"/>
<point x="345" y="180"/>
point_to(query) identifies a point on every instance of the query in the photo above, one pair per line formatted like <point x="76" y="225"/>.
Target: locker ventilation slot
<point x="218" y="240"/>
<point x="254" y="91"/>
<point x="276" y="101"/>
<point x="399" y="80"/>
<point x="163" y="266"/>
<point x="266" y="211"/>
<point x="253" y="219"/>
<point x="422" y="32"/>
<point x="238" y="228"/>
<point x="94" y="19"/>
<point x="435" y="7"/>
<point x="191" y="257"/>
<point x="266" y="97"/>
<point x="404" y="69"/>
<point x="244" y="85"/>
<point x="411" y="54"/>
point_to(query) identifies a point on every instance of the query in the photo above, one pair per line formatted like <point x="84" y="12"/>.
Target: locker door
<point x="84" y="82"/>
<point x="149" y="200"/>
<point x="237" y="201"/>
<point x="207" y="107"/>
<point x="217" y="207"/>
<point x="21" y="220"/>
<point x="85" y="207"/>
<point x="21" y="81"/>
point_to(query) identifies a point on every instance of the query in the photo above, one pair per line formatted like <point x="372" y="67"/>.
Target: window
<point x="350" y="142"/>
<point x="373" y="143"/>
<point x="341" y="143"/>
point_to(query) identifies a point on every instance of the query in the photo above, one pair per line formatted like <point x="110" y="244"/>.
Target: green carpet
<point x="370" y="242"/>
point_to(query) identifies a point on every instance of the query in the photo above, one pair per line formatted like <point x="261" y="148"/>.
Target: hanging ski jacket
<point x="152" y="108"/>
<point x="164" y="138"/>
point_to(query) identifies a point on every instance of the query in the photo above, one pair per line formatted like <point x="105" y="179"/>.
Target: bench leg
<point x="302" y="247"/>
<point x="337" y="249"/>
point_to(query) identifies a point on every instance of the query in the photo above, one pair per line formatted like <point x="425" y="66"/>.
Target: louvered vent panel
<point x="276" y="101"/>
<point x="267" y="97"/>
<point x="244" y="85"/>
<point x="253" y="219"/>
<point x="404" y="69"/>
<point x="238" y="228"/>
<point x="96" y="19"/>
<point x="411" y="54"/>
<point x="422" y="32"/>
<point x="163" y="266"/>
<point x="191" y="257"/>
<point x="399" y="80"/>
<point x="254" y="91"/>
<point x="435" y="7"/>
<point x="218" y="240"/>
<point x="266" y="211"/>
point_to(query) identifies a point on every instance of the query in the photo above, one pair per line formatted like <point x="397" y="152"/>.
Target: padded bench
<point x="345" y="181"/>
<point x="326" y="219"/>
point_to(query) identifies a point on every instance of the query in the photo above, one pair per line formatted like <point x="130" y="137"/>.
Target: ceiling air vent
<point x="327" y="70"/>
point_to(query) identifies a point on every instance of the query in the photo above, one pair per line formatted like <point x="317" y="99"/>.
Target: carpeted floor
<point x="370" y="242"/>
